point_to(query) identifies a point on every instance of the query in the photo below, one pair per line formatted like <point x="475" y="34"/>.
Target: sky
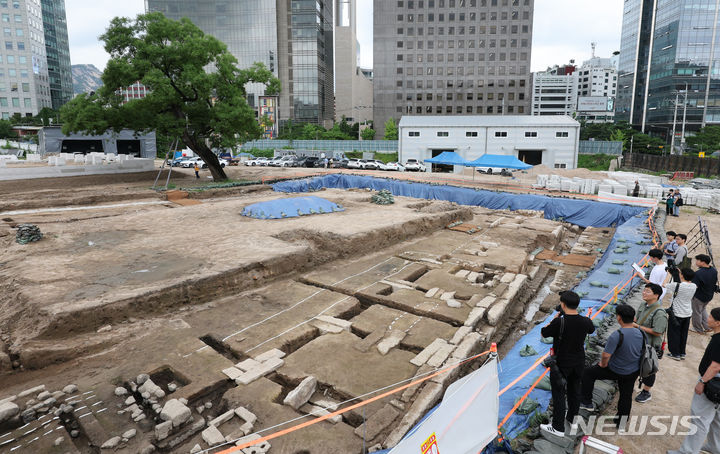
<point x="563" y="29"/>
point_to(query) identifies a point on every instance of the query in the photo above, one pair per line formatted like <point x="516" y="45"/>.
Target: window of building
<point x="443" y="134"/>
<point x="470" y="133"/>
<point x="530" y="133"/>
<point x="3" y="102"/>
<point x="414" y="133"/>
<point x="21" y="45"/>
<point x="18" y="18"/>
<point x="10" y="59"/>
<point x="16" y="102"/>
<point x="561" y="166"/>
<point x="561" y="134"/>
<point x="19" y="32"/>
<point x="499" y="133"/>
<point x="27" y="102"/>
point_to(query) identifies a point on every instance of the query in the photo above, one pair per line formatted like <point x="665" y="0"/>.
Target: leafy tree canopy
<point x="204" y="108"/>
<point x="707" y="139"/>
<point x="368" y="134"/>
<point x="391" y="130"/>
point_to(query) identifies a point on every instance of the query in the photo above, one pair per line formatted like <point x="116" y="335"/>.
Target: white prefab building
<point x="549" y="140"/>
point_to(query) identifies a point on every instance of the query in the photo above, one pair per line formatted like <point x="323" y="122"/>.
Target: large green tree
<point x="196" y="91"/>
<point x="391" y="129"/>
<point x="707" y="139"/>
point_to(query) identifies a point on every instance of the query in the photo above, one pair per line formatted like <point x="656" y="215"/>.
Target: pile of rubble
<point x="28" y="233"/>
<point x="383" y="197"/>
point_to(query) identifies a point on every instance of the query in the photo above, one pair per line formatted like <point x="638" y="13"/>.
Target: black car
<point x="308" y="161"/>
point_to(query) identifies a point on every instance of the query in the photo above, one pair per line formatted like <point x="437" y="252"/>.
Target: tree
<point x="368" y="134"/>
<point x="203" y="109"/>
<point x="6" y="131"/>
<point x="346" y="129"/>
<point x="391" y="130"/>
<point x="312" y="131"/>
<point x="707" y="139"/>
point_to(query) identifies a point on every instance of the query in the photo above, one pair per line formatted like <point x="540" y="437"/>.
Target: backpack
<point x="649" y="362"/>
<point x="679" y="201"/>
<point x="686" y="261"/>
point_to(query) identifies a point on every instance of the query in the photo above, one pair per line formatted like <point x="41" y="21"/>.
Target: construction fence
<point x="377" y="146"/>
<point x="672" y="163"/>
<point x="600" y="147"/>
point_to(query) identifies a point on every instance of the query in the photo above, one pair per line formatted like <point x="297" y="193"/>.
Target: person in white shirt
<point x="659" y="271"/>
<point x="680" y="295"/>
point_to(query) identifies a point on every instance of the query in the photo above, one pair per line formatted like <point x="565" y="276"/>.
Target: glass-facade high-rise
<point x="57" y="49"/>
<point x="670" y="50"/>
<point x="252" y="30"/>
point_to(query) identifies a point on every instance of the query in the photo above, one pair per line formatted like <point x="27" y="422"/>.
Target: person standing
<point x="197" y="171"/>
<point x="659" y="271"/>
<point x="706" y="281"/>
<point x="681" y="253"/>
<point x="705" y="413"/>
<point x="679" y="312"/>
<point x="620" y="361"/>
<point x="677" y="203"/>
<point x="670" y="246"/>
<point x="636" y="190"/>
<point x="652" y="319"/>
<point x="669" y="203"/>
<point x="568" y="330"/>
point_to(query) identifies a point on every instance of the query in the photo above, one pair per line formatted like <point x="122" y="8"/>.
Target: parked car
<point x="178" y="161"/>
<point x="189" y="163"/>
<point x="496" y="171"/>
<point x="223" y="163"/>
<point x="261" y="161"/>
<point x="274" y="162"/>
<point x="288" y="161"/>
<point x="339" y="164"/>
<point x="308" y="161"/>
<point x="393" y="166"/>
<point x="413" y="165"/>
<point x="370" y="164"/>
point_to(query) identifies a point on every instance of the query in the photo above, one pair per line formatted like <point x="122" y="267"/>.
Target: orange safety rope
<point x="514" y="382"/>
<point x="522" y="399"/>
<point x="351" y="407"/>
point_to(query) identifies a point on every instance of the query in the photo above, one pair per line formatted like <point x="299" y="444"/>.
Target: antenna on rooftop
<point x="593" y="45"/>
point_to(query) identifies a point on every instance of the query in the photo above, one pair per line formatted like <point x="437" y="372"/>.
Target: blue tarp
<point x="449" y="158"/>
<point x="290" y="208"/>
<point x="584" y="213"/>
<point x="499" y="161"/>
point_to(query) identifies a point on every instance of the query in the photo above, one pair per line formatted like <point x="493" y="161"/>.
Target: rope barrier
<point x="522" y="399"/>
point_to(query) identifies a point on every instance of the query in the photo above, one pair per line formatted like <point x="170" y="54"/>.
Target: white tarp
<point x="466" y="420"/>
<point x="609" y="197"/>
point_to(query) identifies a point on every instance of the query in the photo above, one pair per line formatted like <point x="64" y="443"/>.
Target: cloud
<point x="88" y="20"/>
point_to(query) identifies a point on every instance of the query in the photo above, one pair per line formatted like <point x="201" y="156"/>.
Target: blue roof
<point x="448" y="158"/>
<point x="499" y="161"/>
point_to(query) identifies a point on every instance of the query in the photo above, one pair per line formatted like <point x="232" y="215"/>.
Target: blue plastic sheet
<point x="499" y="161"/>
<point x="290" y="208"/>
<point x="584" y="213"/>
<point x="448" y="158"/>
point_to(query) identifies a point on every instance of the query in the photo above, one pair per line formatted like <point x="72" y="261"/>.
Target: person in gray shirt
<point x="620" y="361"/>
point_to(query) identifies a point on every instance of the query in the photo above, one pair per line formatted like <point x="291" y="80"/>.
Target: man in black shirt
<point x="706" y="280"/>
<point x="706" y="413"/>
<point x="568" y="330"/>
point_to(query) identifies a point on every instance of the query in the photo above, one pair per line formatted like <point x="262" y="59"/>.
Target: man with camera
<point x="620" y="361"/>
<point x="706" y="281"/>
<point x="705" y="406"/>
<point x="659" y="271"/>
<point x="568" y="330"/>
<point x="652" y="319"/>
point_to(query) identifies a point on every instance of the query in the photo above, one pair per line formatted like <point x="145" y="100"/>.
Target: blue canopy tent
<point x="498" y="161"/>
<point x="448" y="158"/>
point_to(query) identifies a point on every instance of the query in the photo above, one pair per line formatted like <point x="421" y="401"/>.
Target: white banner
<point x="466" y="420"/>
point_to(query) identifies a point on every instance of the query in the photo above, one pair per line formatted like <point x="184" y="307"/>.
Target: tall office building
<point x="451" y="57"/>
<point x="353" y="87"/>
<point x="292" y="38"/>
<point x="57" y="49"/>
<point x="669" y="49"/>
<point x="597" y="90"/>
<point x="24" y="81"/>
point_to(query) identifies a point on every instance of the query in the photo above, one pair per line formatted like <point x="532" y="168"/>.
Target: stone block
<point x="232" y="372"/>
<point x="248" y="364"/>
<point x="120" y="391"/>
<point x="250" y="376"/>
<point x="507" y="278"/>
<point x="176" y="412"/>
<point x="462" y="273"/>
<point x="390" y="341"/>
<point x="129" y="434"/>
<point x="35" y="390"/>
<point x="468" y="345"/>
<point x="274" y="353"/>
<point x="370" y="340"/>
<point x="302" y="393"/>
<point x="8" y="410"/>
<point x="324" y="402"/>
<point x="246" y="415"/>
<point x="222" y="419"/>
<point x="440" y="355"/>
<point x="43" y="395"/>
<point x="473" y="276"/>
<point x="344" y="324"/>
<point x="378" y="422"/>
<point x="326" y="328"/>
<point x="162" y="430"/>
<point x="496" y="311"/>
<point x="474" y="317"/>
<point x="422" y="357"/>
<point x="212" y="436"/>
<point x="486" y="302"/>
<point x="111" y="443"/>
<point x="432" y="292"/>
<point x="428" y="397"/>
<point x="500" y="289"/>
<point x="460" y="334"/>
<point x="410" y="392"/>
<point x="453" y="303"/>
<point x="447" y="295"/>
<point x="314" y="410"/>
